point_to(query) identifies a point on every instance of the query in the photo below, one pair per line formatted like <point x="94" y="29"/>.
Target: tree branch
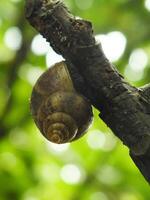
<point x="123" y="107"/>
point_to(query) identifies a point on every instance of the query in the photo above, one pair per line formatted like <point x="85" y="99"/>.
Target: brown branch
<point x="123" y="107"/>
<point x="146" y="91"/>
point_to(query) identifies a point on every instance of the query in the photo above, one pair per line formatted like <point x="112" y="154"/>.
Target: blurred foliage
<point x="97" y="167"/>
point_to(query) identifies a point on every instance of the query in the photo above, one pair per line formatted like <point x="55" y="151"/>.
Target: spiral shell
<point x="61" y="114"/>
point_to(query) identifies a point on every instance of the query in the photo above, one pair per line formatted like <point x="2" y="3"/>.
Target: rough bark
<point x="124" y="108"/>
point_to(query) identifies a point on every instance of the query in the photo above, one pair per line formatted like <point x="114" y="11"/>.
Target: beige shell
<point x="61" y="114"/>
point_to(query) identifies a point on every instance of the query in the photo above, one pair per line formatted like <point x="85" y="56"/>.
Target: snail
<point x="59" y="111"/>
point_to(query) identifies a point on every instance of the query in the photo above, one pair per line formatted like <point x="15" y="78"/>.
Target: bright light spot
<point x="71" y="174"/>
<point x="137" y="63"/>
<point x="109" y="175"/>
<point x="31" y="198"/>
<point x="27" y="197"/>
<point x="110" y="142"/>
<point x="78" y="17"/>
<point x="33" y="74"/>
<point x="30" y="73"/>
<point x="30" y="195"/>
<point x="47" y="173"/>
<point x="96" y="139"/>
<point x="18" y="138"/>
<point x="113" y="44"/>
<point x="83" y="5"/>
<point x="138" y="60"/>
<point x="13" y="38"/>
<point x="131" y="75"/>
<point x="52" y="57"/>
<point x="57" y="148"/>
<point x="39" y="45"/>
<point x="98" y="196"/>
<point x="129" y="196"/>
<point x="147" y="4"/>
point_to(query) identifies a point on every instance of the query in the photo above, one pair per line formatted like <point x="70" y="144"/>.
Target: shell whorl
<point x="61" y="114"/>
<point x="60" y="124"/>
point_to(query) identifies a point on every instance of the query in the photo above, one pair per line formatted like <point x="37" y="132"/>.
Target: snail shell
<point x="61" y="114"/>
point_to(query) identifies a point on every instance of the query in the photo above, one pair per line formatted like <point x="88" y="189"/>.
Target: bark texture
<point x="124" y="108"/>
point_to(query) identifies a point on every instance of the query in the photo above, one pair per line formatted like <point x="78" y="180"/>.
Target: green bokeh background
<point x="96" y="167"/>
